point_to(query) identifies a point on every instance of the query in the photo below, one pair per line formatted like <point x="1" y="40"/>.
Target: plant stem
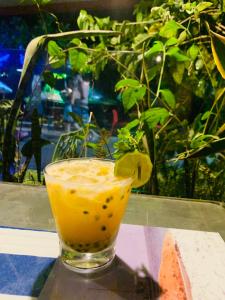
<point x="164" y="126"/>
<point x="216" y="117"/>
<point x="152" y="185"/>
<point x="211" y="110"/>
<point x="206" y="67"/>
<point x="140" y="23"/>
<point x="195" y="39"/>
<point x="123" y="66"/>
<point x="160" y="77"/>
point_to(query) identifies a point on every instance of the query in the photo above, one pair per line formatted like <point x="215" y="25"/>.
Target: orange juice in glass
<point x="88" y="202"/>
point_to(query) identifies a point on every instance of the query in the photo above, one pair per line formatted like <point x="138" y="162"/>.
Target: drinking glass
<point x="88" y="203"/>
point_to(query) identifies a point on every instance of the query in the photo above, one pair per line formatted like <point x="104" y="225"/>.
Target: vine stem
<point x="164" y="126"/>
<point x="87" y="131"/>
<point x="197" y="38"/>
<point x="214" y="103"/>
<point x="217" y="114"/>
<point x="123" y="66"/>
<point x="140" y="23"/>
<point x="160" y="77"/>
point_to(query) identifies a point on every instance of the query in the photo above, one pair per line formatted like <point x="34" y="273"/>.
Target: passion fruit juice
<point x="87" y="201"/>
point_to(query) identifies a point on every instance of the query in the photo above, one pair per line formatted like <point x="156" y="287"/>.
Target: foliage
<point x="33" y="148"/>
<point x="31" y="178"/>
<point x="171" y="64"/>
<point x="76" y="143"/>
<point x="33" y="52"/>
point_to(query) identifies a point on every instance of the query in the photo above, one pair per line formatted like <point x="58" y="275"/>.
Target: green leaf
<point x="189" y="7"/>
<point x="140" y="39"/>
<point x="131" y="96"/>
<point x="57" y="57"/>
<point x="66" y="146"/>
<point x="103" y="23"/>
<point x="178" y="72"/>
<point x="157" y="47"/>
<point x="115" y="40"/>
<point x="169" y="97"/>
<point x="170" y="29"/>
<point x="175" y="52"/>
<point x="132" y="124"/>
<point x="5" y="106"/>
<point x="127" y="83"/>
<point x="85" y="21"/>
<point x="139" y="135"/>
<point x="221" y="129"/>
<point x="140" y="92"/>
<point x="182" y="36"/>
<point x="44" y="2"/>
<point x="78" y="60"/>
<point x="153" y="71"/>
<point x="128" y="99"/>
<point x="172" y="41"/>
<point x="201" y="140"/>
<point x="206" y="115"/>
<point x="155" y="116"/>
<point x="199" y="64"/>
<point x="203" y="5"/>
<point x="193" y="51"/>
<point x="92" y="145"/>
<point x="76" y="42"/>
<point x="215" y="146"/>
<point x="218" y="51"/>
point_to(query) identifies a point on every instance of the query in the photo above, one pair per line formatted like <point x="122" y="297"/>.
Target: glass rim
<point x="122" y="179"/>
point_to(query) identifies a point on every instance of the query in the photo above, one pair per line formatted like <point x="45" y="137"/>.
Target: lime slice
<point x="134" y="164"/>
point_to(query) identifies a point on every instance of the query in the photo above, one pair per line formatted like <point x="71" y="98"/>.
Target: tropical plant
<point x="171" y="67"/>
<point x="32" y="55"/>
<point x="171" y="86"/>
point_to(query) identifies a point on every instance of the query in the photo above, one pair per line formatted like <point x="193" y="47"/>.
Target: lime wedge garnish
<point x="136" y="165"/>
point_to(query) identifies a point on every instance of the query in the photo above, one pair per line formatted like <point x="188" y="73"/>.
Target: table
<point x="28" y="207"/>
<point x="193" y="262"/>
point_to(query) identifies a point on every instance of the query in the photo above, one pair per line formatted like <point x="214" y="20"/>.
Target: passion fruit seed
<point x="72" y="191"/>
<point x="103" y="228"/>
<point x="96" y="244"/>
<point x="85" y="212"/>
<point x="90" y="247"/>
<point x="110" y="215"/>
<point x="109" y="199"/>
<point x="104" y="206"/>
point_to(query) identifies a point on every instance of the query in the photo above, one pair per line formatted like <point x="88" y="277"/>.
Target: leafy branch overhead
<point x="170" y="64"/>
<point x="34" y="49"/>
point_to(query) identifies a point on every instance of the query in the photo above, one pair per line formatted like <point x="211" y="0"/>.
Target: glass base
<point x="87" y="262"/>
